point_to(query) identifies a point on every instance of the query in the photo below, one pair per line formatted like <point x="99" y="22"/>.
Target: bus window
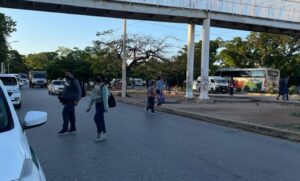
<point x="258" y="73"/>
<point x="273" y="73"/>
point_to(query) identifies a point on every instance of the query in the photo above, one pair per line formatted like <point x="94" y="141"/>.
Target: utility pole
<point x="124" y="64"/>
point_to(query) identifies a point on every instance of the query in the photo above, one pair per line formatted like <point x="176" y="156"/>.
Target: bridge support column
<point x="190" y="61"/>
<point x="205" y="60"/>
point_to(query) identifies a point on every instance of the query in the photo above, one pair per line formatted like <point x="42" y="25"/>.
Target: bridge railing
<point x="285" y="10"/>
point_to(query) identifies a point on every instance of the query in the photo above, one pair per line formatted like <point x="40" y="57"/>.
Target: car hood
<point x="11" y="87"/>
<point x="58" y="86"/>
<point x="12" y="155"/>
<point x="222" y="84"/>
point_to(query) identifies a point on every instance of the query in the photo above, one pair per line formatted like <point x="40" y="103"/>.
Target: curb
<point x="255" y="128"/>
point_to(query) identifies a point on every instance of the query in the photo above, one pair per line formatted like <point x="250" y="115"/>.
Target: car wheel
<point x="18" y="106"/>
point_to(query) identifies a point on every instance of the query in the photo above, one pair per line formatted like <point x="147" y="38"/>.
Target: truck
<point x="37" y="78"/>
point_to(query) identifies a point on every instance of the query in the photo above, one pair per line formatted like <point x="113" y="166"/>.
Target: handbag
<point x="111" y="101"/>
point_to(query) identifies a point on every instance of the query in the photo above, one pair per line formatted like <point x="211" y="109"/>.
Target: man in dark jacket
<point x="70" y="98"/>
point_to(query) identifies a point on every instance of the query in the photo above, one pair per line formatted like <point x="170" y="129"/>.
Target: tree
<point x="16" y="62"/>
<point x="264" y="50"/>
<point x="180" y="61"/>
<point x="7" y="26"/>
<point x="39" y="61"/>
<point x="238" y="53"/>
<point x="140" y="49"/>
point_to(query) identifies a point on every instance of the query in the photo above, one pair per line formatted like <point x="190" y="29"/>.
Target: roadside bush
<point x="272" y="90"/>
<point x="293" y="90"/>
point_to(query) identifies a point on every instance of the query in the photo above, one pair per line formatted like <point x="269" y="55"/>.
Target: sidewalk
<point x="255" y="113"/>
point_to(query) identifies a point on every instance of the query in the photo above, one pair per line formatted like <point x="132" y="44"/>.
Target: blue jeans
<point x="68" y="114"/>
<point x="99" y="118"/>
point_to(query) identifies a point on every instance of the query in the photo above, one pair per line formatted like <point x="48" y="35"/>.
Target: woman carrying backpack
<point x="99" y="96"/>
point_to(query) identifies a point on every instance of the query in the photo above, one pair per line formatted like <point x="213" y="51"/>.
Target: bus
<point x="252" y="79"/>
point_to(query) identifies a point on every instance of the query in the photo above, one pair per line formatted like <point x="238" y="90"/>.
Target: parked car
<point x="116" y="83"/>
<point x="137" y="82"/>
<point x="56" y="87"/>
<point x="215" y="84"/>
<point x="17" y="159"/>
<point x="13" y="88"/>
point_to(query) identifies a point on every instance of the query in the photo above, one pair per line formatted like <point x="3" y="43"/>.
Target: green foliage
<point x="271" y="89"/>
<point x="292" y="90"/>
<point x="264" y="50"/>
<point x="7" y="26"/>
<point x="16" y="62"/>
<point x="39" y="61"/>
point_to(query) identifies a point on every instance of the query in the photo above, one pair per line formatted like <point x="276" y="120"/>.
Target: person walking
<point x="99" y="96"/>
<point x="281" y="91"/>
<point x="286" y="88"/>
<point x="231" y="86"/>
<point x="159" y="90"/>
<point x="151" y="96"/>
<point x="69" y="98"/>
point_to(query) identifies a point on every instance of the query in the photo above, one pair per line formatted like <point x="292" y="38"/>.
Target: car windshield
<point x="5" y="121"/>
<point x="39" y="76"/>
<point x="58" y="83"/>
<point x="9" y="80"/>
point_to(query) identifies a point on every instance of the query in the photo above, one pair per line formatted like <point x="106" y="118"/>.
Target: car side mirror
<point x="34" y="119"/>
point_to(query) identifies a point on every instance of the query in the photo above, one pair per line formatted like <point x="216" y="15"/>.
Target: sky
<point x="44" y="31"/>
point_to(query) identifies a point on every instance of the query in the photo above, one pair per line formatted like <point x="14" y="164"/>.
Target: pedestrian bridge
<point x="274" y="16"/>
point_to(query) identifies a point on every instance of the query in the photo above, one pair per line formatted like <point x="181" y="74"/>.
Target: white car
<point x="56" y="87"/>
<point x="24" y="79"/>
<point x="13" y="88"/>
<point x="215" y="84"/>
<point x="17" y="159"/>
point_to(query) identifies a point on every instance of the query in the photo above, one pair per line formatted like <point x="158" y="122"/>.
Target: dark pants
<point x="151" y="101"/>
<point x="68" y="114"/>
<point x="99" y="118"/>
<point x="158" y="93"/>
<point x="231" y="91"/>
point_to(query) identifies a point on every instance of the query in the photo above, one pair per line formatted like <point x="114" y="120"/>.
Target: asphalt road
<point x="160" y="147"/>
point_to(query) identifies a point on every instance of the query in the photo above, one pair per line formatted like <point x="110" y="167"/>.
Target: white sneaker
<point x="103" y="136"/>
<point x="100" y="137"/>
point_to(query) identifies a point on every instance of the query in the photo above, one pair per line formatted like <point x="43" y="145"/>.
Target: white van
<point x="11" y="84"/>
<point x="216" y="84"/>
<point x="137" y="82"/>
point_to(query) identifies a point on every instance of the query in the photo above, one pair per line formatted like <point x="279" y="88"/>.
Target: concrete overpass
<point x="273" y="16"/>
<point x="251" y="15"/>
